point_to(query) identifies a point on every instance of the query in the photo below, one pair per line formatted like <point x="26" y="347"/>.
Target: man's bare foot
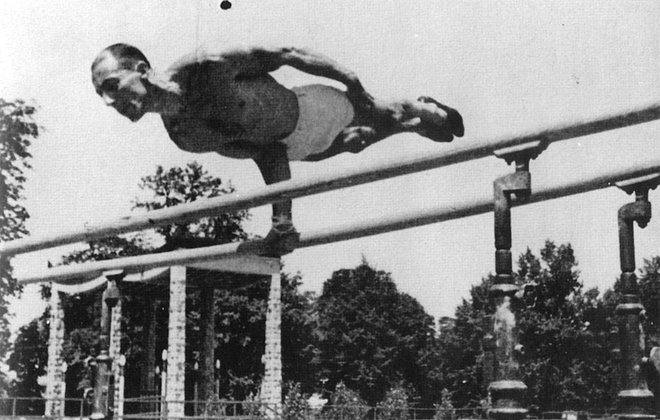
<point x="451" y="126"/>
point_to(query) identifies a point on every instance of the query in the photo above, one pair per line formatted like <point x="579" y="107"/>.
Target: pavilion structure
<point x="176" y="279"/>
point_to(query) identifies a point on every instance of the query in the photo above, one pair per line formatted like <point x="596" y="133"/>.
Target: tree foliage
<point x="394" y="406"/>
<point x="370" y="336"/>
<point x="346" y="403"/>
<point x="29" y="357"/>
<point x="649" y="289"/>
<point x="565" y="331"/>
<point x="17" y="131"/>
<point x="177" y="185"/>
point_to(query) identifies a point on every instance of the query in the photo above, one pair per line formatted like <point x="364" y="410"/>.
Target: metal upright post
<point x="635" y="400"/>
<point x="506" y="390"/>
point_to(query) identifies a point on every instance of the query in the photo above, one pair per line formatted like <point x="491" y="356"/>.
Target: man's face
<point x="122" y="89"/>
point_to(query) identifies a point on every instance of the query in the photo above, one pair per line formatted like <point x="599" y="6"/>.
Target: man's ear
<point x="142" y="67"/>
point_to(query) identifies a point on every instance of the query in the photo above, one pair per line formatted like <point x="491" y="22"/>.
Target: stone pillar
<point x="55" y="380"/>
<point x="207" y="353"/>
<point x="119" y="386"/>
<point x="114" y="352"/>
<point x="271" y="387"/>
<point x="176" y="343"/>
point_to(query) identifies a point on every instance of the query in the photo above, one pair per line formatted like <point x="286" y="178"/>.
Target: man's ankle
<point x="283" y="224"/>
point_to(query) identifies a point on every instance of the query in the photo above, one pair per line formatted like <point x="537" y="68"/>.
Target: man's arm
<point x="256" y="61"/>
<point x="309" y="62"/>
<point x="320" y="65"/>
<point x="274" y="166"/>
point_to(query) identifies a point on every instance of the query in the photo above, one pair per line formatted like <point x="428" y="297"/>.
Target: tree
<point x="240" y="330"/>
<point x="178" y="185"/>
<point x="371" y="336"/>
<point x="568" y="359"/>
<point x="29" y="357"/>
<point x="460" y="367"/>
<point x="17" y="131"/>
<point x="649" y="289"/>
<point x="565" y="332"/>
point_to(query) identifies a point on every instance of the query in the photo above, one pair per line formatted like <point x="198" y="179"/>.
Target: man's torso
<point x="220" y="111"/>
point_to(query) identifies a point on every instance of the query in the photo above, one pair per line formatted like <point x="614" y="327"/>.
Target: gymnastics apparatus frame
<point x="507" y="391"/>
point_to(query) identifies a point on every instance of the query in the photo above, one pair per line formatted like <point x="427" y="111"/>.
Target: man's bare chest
<point x="200" y="135"/>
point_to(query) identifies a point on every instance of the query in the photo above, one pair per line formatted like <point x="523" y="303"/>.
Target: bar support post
<point x="635" y="401"/>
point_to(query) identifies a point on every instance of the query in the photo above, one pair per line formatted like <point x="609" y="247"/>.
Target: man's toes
<point x="454" y="118"/>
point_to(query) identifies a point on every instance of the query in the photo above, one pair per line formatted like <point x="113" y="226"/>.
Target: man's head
<point x="120" y="77"/>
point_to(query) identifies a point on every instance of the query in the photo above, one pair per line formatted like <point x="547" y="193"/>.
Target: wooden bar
<point x="197" y="257"/>
<point x="457" y="152"/>
<point x="362" y="228"/>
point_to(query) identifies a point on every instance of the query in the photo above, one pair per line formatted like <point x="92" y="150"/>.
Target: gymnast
<point x="228" y="103"/>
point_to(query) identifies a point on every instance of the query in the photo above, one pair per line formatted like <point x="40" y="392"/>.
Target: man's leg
<point x="351" y="139"/>
<point x="426" y="117"/>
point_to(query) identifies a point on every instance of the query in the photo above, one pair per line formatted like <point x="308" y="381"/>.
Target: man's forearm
<point x="319" y="65"/>
<point x="274" y="166"/>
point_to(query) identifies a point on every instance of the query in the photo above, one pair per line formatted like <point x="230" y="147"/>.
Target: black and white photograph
<point x="296" y="209"/>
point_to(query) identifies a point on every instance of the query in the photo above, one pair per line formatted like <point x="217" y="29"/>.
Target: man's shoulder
<point x="226" y="56"/>
<point x="219" y="56"/>
<point x="188" y="61"/>
<point x="197" y="66"/>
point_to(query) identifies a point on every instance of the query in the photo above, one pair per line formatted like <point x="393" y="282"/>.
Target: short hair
<point x="125" y="54"/>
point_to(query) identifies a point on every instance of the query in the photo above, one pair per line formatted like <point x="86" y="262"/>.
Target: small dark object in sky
<point x="225" y="5"/>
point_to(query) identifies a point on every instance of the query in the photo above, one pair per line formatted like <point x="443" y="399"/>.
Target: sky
<point x="508" y="67"/>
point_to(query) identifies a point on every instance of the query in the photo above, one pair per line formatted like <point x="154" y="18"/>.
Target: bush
<point x="252" y="407"/>
<point x="346" y="404"/>
<point x="295" y="404"/>
<point x="395" y="405"/>
<point x="445" y="410"/>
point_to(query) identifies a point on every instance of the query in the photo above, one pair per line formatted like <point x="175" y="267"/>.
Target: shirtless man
<point x="228" y="103"/>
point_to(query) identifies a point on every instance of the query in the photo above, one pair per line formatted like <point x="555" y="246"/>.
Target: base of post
<point x="508" y="397"/>
<point x="636" y="404"/>
<point x="507" y="413"/>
